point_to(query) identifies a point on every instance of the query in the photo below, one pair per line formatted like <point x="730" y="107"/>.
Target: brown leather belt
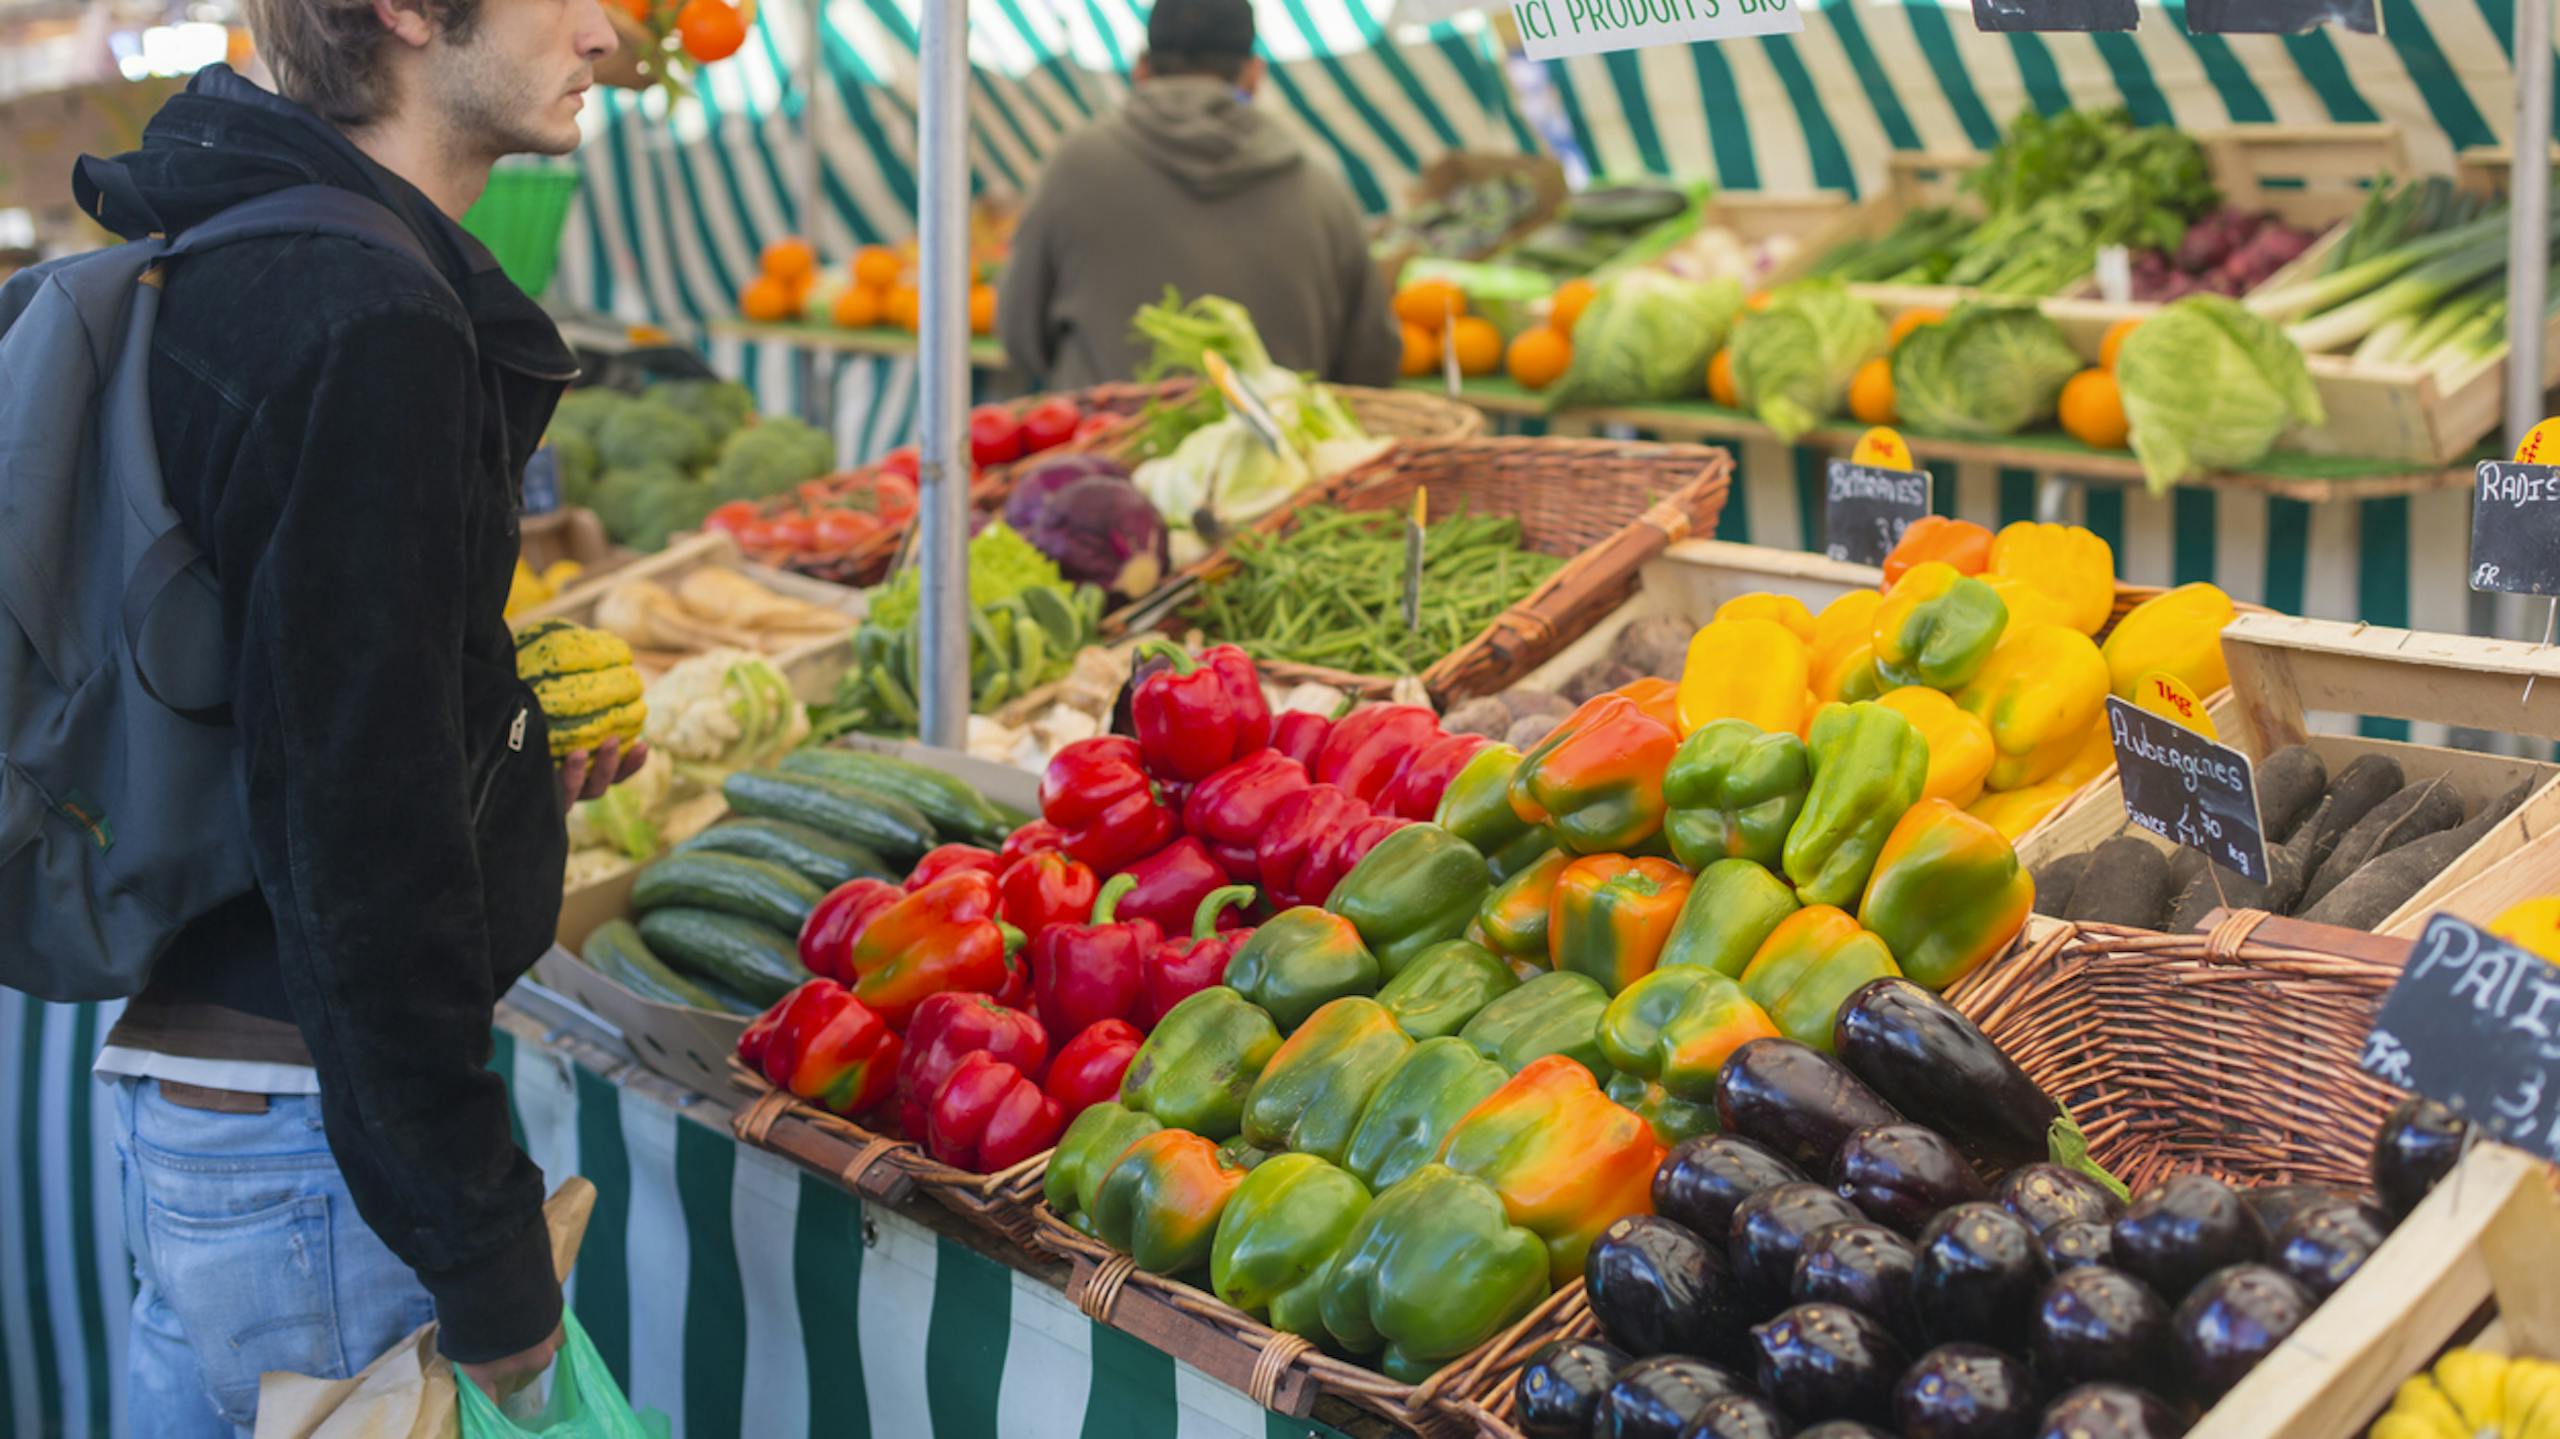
<point x="216" y="1101"/>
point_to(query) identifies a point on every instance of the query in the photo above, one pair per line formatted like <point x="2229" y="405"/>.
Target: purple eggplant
<point x="2184" y="1228"/>
<point x="2077" y="1244"/>
<point x="1658" y="1398"/>
<point x="2235" y="1318"/>
<point x="2100" y="1324"/>
<point x="2045" y="1195"/>
<point x="1769" y="1232"/>
<point x="1934" y="1065"/>
<point x="1976" y="1277"/>
<point x="1901" y="1174"/>
<point x="1560" y="1387"/>
<point x="2277" y="1204"/>
<point x="1657" y="1288"/>
<point x="1828" y="1361"/>
<point x="2325" y="1245"/>
<point x="1739" y="1416"/>
<point x="2109" y="1411"/>
<point x="2419" y="1144"/>
<point x="1965" y="1391"/>
<point x="1703" y="1179"/>
<point x="1841" y="1429"/>
<point x="1865" y="1267"/>
<point x="1795" y="1101"/>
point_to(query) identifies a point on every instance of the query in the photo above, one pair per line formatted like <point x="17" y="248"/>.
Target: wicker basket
<point x="2214" y="1051"/>
<point x="879" y="1167"/>
<point x="1492" y="1401"/>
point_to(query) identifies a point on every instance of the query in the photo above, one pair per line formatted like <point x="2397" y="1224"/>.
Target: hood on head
<point x="1204" y="134"/>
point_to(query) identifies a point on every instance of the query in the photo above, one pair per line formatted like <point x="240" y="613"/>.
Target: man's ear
<point x="408" y="21"/>
<point x="1248" y="79"/>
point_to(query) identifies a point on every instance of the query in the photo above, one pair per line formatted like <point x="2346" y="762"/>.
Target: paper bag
<point x="408" y="1393"/>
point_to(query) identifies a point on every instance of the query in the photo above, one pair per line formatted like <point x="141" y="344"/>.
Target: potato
<point x="1655" y="645"/>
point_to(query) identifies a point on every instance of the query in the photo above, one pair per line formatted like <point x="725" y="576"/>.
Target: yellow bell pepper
<point x="2533" y="924"/>
<point x="1960" y="750"/>
<point x="1750" y="669"/>
<point x="2180" y="632"/>
<point x="2015" y="812"/>
<point x="1770" y="605"/>
<point x="2028" y="604"/>
<point x="2096" y="755"/>
<point x="2072" y="565"/>
<point x="2038" y="694"/>
<point x="1844" y="645"/>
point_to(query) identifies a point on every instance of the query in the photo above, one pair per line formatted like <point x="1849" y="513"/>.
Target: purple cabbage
<point x="1044" y="478"/>
<point x="1101" y="530"/>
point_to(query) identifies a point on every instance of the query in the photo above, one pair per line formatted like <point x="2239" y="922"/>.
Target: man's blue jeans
<point x="250" y="1257"/>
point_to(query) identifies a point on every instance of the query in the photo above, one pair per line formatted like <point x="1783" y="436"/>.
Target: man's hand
<point x="587" y="774"/>
<point x="501" y="1377"/>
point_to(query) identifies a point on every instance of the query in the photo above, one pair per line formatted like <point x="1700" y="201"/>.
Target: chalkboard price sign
<point x="2006" y="15"/>
<point x="2474" y="1023"/>
<point x="2187" y="789"/>
<point x="2515" y="528"/>
<point x="2280" y="17"/>
<point x="1866" y="508"/>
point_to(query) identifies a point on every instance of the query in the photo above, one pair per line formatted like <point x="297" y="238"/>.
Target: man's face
<point x="516" y="84"/>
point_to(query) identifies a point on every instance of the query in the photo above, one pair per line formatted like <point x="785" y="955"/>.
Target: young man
<point x="1189" y="185"/>
<point x="315" y="1157"/>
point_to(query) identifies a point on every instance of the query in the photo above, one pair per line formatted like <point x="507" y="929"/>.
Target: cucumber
<point x="617" y="952"/>
<point x="947" y="801"/>
<point x="814" y="855"/>
<point x="760" y="965"/>
<point x="883" y="823"/>
<point x="753" y="889"/>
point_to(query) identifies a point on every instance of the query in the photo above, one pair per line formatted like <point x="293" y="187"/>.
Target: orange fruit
<point x="876" y="266"/>
<point x="1571" y="299"/>
<point x="789" y="260"/>
<point x="1871" y="393"/>
<point x="1421" y="350"/>
<point x="1478" y="344"/>
<point x="637" y="9"/>
<point x="648" y="335"/>
<point x="1539" y="356"/>
<point x="2113" y="342"/>
<point x="710" y="29"/>
<point x="1428" y="303"/>
<point x="1720" y="386"/>
<point x="861" y="307"/>
<point x="1758" y="300"/>
<point x="768" y="299"/>
<point x="1910" y="320"/>
<point x="903" y="307"/>
<point x="2092" y="411"/>
<point x="982" y="309"/>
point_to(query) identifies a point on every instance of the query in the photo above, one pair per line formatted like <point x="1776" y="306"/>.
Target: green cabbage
<point x="1983" y="370"/>
<point x="1792" y="362"/>
<point x="1646" y="336"/>
<point x="2207" y="385"/>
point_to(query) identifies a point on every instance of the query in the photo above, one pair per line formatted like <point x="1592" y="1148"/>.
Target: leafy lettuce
<point x="1793" y="360"/>
<point x="2207" y="385"/>
<point x="1983" y="370"/>
<point x="1646" y="336"/>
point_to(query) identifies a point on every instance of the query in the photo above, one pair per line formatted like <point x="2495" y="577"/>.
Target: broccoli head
<point x="669" y="509"/>
<point x="648" y="433"/>
<point x="584" y="410"/>
<point x="721" y="405"/>
<point x="623" y="498"/>
<point x="575" y="454"/>
<point x="769" y="457"/>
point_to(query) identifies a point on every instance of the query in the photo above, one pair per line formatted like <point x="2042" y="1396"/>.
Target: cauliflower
<point x="646" y="433"/>
<point x="722" y="710"/>
<point x="592" y="866"/>
<point x="769" y="458"/>
<point x="622" y="817"/>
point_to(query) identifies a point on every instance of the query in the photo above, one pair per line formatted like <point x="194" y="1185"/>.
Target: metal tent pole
<point x="2529" y="232"/>
<point x="943" y="377"/>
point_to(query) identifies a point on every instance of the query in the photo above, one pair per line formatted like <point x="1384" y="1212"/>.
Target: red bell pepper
<point x="1343" y="855"/>
<point x="1181" y="968"/>
<point x="1097" y="793"/>
<point x="835" y="922"/>
<point x="948" y="1028"/>
<point x="1033" y="838"/>
<point x="1085" y="973"/>
<point x="1197" y="716"/>
<point x="1044" y="889"/>
<point x="1229" y="810"/>
<point x="1416" y="792"/>
<point x="945" y="859"/>
<point x="989" y="1115"/>
<point x="1290" y="855"/>
<point x="1371" y="746"/>
<point x="1089" y="1068"/>
<point x="831" y="1049"/>
<point x="944" y="937"/>
<point x="1300" y="734"/>
<point x="759" y="1035"/>
<point x="1171" y="883"/>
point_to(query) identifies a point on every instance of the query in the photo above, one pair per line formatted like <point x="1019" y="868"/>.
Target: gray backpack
<point x="121" y="808"/>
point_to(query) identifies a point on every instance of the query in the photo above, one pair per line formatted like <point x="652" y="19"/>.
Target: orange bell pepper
<point x="1960" y="543"/>
<point x="1960" y="752"/>
<point x="1947" y="894"/>
<point x="1749" y="669"/>
<point x="1656" y="697"/>
<point x="1808" y="966"/>
<point x="1611" y="915"/>
<point x="1787" y="610"/>
<point x="1597" y="780"/>
<point x="1566" y="1160"/>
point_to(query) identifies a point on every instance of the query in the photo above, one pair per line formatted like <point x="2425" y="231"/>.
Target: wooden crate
<point x="2530" y="873"/>
<point x="714" y="548"/>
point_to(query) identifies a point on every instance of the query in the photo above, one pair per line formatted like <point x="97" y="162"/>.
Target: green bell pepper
<point x="1733" y="790"/>
<point x="1476" y="807"/>
<point x="1670" y="1117"/>
<point x="1444" y="987"/>
<point x="1514" y="918"/>
<point x="1936" y="627"/>
<point x="1676" y="1027"/>
<point x="1416" y="1106"/>
<point x="1310" y="1095"/>
<point x="1086" y="1152"/>
<point x="1197" y="1067"/>
<point x="1733" y="904"/>
<point x="1420" y="886"/>
<point x="1302" y="960"/>
<point x="1433" y="1269"/>
<point x="1281" y="1229"/>
<point x="1809" y="966"/>
<point x="1869" y="765"/>
<point x="1555" y="1013"/>
<point x="1162" y="1200"/>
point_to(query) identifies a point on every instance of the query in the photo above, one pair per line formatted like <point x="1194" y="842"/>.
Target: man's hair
<point x="327" y="54"/>
<point x="1199" y="37"/>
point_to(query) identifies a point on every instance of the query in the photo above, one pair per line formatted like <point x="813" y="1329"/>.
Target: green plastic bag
<point x="584" y="1402"/>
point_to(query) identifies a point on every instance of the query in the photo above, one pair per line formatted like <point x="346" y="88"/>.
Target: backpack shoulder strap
<point x="309" y="210"/>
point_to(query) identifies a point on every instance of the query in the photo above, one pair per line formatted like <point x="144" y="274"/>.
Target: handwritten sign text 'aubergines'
<point x="1553" y="29"/>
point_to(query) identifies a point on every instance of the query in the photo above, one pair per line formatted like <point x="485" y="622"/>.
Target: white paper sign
<point x="1551" y="29"/>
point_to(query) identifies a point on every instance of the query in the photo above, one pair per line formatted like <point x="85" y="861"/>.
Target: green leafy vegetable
<point x="1984" y="370"/>
<point x="2208" y="385"/>
<point x="1646" y="336"/>
<point x="1792" y="362"/>
<point x="1001" y="564"/>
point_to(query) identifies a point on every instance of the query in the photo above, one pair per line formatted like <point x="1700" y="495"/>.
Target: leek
<point x="2431" y="333"/>
<point x="2387" y="340"/>
<point x="2444" y="272"/>
<point x="2361" y="279"/>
